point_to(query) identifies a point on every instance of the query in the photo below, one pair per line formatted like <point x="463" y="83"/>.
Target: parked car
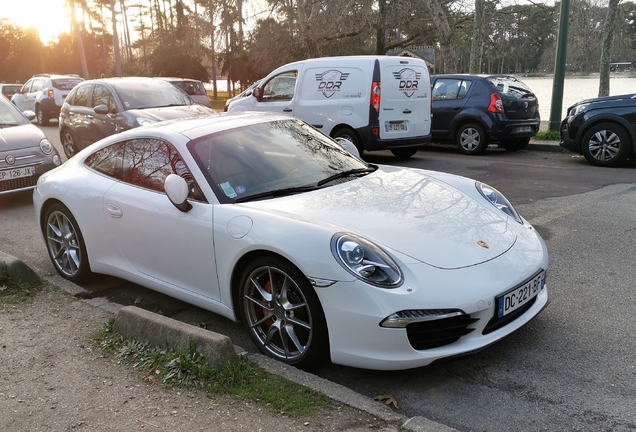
<point x="601" y="129"/>
<point x="102" y="107"/>
<point x="475" y="110"/>
<point x="247" y="92"/>
<point x="194" y="88"/>
<point x="263" y="219"/>
<point x="44" y="94"/>
<point x="9" y="90"/>
<point x="25" y="153"/>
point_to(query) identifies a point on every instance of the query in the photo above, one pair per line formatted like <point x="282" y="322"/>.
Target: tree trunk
<point x="118" y="71"/>
<point x="441" y="23"/>
<point x="211" y="7"/>
<point x="80" y="42"/>
<point x="474" y="67"/>
<point x="380" y="38"/>
<point x="608" y="30"/>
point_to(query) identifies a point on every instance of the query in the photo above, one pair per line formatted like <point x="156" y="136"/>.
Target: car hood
<point x="22" y="136"/>
<point x="172" y="112"/>
<point x="605" y="99"/>
<point x="407" y="211"/>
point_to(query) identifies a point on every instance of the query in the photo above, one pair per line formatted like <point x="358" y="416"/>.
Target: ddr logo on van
<point x="409" y="81"/>
<point x="329" y="82"/>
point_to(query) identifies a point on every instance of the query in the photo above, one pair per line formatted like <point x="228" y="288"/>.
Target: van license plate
<point x="395" y="127"/>
<point x="17" y="173"/>
<point x="524" y="129"/>
<point x="519" y="296"/>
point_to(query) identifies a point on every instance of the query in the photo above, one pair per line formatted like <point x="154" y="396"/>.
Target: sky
<point x="47" y="16"/>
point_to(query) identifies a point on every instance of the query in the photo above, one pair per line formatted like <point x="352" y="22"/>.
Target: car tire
<point x="42" y="119"/>
<point x="69" y="143"/>
<point x="606" y="144"/>
<point x="351" y="135"/>
<point x="471" y="139"/>
<point x="282" y="313"/>
<point x="514" y="145"/>
<point x="404" y="153"/>
<point x="65" y="244"/>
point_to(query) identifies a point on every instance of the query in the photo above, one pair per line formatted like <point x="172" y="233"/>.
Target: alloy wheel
<point x="604" y="145"/>
<point x="63" y="244"/>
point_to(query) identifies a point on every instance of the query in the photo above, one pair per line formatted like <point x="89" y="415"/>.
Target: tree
<point x="608" y="28"/>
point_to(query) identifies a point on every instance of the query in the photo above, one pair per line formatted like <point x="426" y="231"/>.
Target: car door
<point x="21" y="99"/>
<point x="102" y="125"/>
<point x="277" y="94"/>
<point x="80" y="115"/>
<point x="449" y="99"/>
<point x="170" y="247"/>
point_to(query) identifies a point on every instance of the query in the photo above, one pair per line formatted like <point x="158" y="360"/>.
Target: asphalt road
<point x="572" y="368"/>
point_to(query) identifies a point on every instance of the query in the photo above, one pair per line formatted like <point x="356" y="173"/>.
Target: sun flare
<point x="49" y="17"/>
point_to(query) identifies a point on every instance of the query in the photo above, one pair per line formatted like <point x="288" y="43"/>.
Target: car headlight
<point x="366" y="261"/>
<point x="145" y="121"/>
<point x="497" y="199"/>
<point x="577" y="109"/>
<point x="46" y="146"/>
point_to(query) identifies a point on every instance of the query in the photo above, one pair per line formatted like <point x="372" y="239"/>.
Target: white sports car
<point x="265" y="220"/>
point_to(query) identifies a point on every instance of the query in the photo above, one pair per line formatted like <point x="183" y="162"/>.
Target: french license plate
<point x="517" y="297"/>
<point x="15" y="173"/>
<point x="395" y="127"/>
<point x="524" y="129"/>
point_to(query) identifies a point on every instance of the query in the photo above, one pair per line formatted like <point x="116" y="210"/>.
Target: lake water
<point x="574" y="90"/>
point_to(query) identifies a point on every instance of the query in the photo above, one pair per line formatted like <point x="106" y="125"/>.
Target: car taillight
<point x="375" y="96"/>
<point x="51" y="94"/>
<point x="496" y="104"/>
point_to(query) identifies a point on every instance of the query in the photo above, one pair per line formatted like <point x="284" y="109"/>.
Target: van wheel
<point x="404" y="153"/>
<point x="471" y="139"/>
<point x="350" y="135"/>
<point x="43" y="120"/>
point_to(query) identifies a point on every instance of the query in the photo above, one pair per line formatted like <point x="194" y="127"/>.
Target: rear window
<point x="193" y="88"/>
<point x="66" y="83"/>
<point x="510" y="87"/>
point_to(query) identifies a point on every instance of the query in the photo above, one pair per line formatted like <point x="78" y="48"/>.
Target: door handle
<point x="287" y="110"/>
<point x="407" y="111"/>
<point x="114" y="211"/>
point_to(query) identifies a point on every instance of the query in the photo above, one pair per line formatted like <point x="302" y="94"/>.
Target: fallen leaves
<point x="387" y="399"/>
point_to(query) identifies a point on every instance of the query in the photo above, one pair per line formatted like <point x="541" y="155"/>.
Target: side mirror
<point x="101" y="109"/>
<point x="177" y="190"/>
<point x="348" y="146"/>
<point x="257" y="93"/>
<point x="30" y="115"/>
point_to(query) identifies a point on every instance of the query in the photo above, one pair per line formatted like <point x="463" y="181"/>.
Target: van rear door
<point x="405" y="105"/>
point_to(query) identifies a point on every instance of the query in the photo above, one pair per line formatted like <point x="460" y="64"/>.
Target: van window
<point x="281" y="87"/>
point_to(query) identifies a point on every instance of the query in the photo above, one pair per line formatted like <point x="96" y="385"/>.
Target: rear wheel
<point x="515" y="144"/>
<point x="606" y="144"/>
<point x="282" y="312"/>
<point x="471" y="139"/>
<point x="68" y="143"/>
<point x="350" y="135"/>
<point x="42" y="118"/>
<point x="404" y="153"/>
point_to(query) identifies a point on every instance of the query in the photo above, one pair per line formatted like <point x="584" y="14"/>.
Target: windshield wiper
<point x="8" y="124"/>
<point x="354" y="172"/>
<point x="277" y="193"/>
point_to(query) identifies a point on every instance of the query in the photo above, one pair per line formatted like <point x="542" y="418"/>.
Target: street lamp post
<point x="559" y="67"/>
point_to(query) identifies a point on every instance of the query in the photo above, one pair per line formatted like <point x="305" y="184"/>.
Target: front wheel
<point x="350" y="135"/>
<point x="606" y="144"/>
<point x="68" y="143"/>
<point x="282" y="313"/>
<point x="404" y="153"/>
<point x="471" y="139"/>
<point x="65" y="244"/>
<point x="516" y="144"/>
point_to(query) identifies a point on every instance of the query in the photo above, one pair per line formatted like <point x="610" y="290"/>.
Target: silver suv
<point x="44" y="94"/>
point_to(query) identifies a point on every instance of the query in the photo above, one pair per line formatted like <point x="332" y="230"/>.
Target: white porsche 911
<point x="265" y="220"/>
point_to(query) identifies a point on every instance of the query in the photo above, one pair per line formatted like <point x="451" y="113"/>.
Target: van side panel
<point x="333" y="94"/>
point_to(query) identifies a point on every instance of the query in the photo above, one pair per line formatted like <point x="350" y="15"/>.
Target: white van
<point x="377" y="102"/>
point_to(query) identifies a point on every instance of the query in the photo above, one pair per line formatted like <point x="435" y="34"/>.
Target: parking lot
<point x="572" y="368"/>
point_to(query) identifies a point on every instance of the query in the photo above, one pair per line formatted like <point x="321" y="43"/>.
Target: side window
<point x="447" y="89"/>
<point x="103" y="96"/>
<point x="26" y="88"/>
<point x="37" y="85"/>
<point x="281" y="87"/>
<point x="463" y="89"/>
<point x="107" y="161"/>
<point x="81" y="96"/>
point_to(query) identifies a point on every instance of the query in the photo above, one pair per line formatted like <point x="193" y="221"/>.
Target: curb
<point x="549" y="146"/>
<point x="17" y="269"/>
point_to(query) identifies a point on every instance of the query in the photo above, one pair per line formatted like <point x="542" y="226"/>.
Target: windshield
<point x="150" y="93"/>
<point x="10" y="115"/>
<point x="282" y="155"/>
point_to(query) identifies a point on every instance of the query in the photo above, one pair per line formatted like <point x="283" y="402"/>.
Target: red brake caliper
<point x="268" y="288"/>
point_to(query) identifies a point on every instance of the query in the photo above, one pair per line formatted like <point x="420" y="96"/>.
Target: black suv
<point x="474" y="110"/>
<point x="601" y="129"/>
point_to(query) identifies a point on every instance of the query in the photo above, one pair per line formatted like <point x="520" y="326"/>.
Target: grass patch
<point x="13" y="291"/>
<point x="221" y="98"/>
<point x="549" y="135"/>
<point x="189" y="369"/>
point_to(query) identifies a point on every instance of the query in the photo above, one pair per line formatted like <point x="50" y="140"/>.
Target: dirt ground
<point x="53" y="378"/>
